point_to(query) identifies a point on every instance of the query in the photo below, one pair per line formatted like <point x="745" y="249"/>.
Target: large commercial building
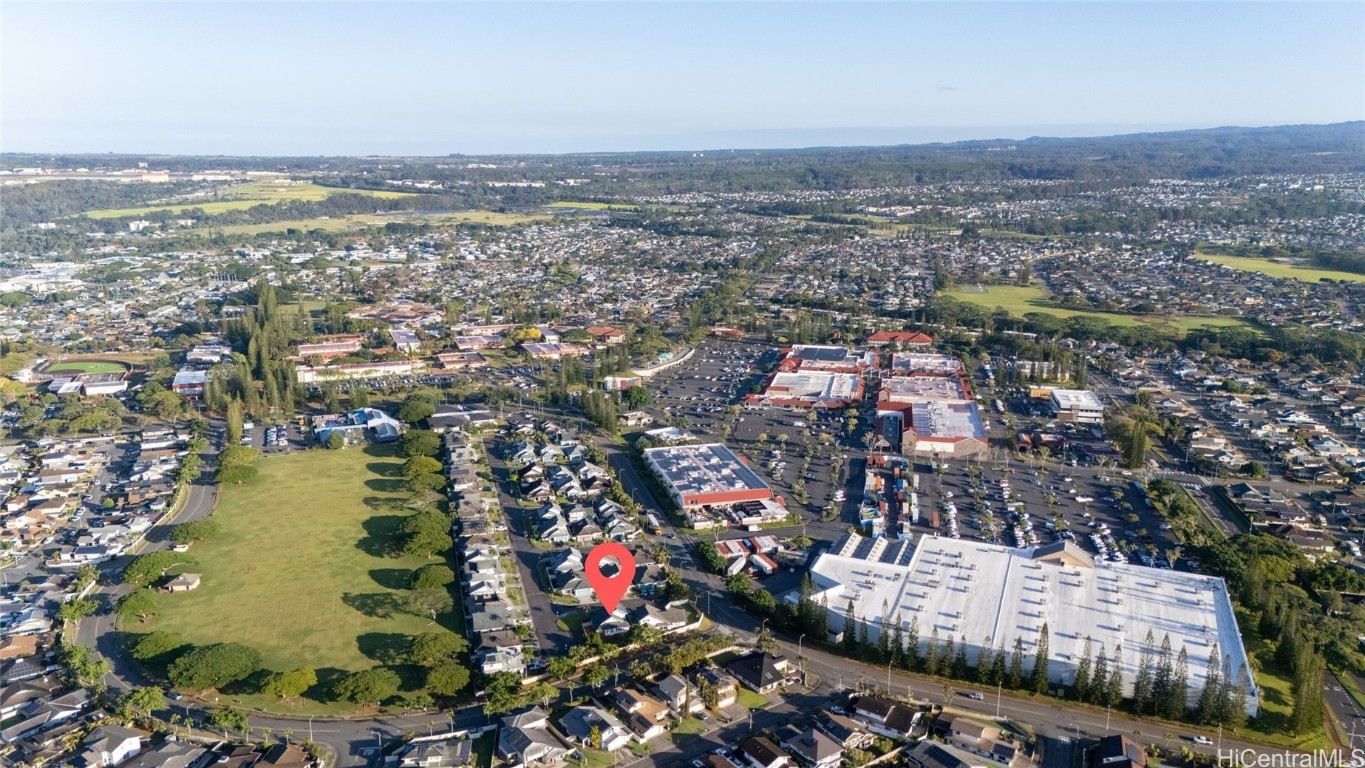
<point x="698" y="475"/>
<point x="927" y="409"/>
<point x="1078" y="405"/>
<point x="918" y="363"/>
<point x="984" y="595"/>
<point x="811" y="357"/>
<point x="810" y="389"/>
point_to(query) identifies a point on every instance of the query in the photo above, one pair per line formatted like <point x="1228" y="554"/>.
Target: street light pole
<point x="998" y="687"/>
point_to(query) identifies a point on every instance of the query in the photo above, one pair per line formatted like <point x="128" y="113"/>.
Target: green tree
<point x="1039" y="676"/>
<point x="431" y="648"/>
<point x="235" y="474"/>
<point x="214" y="666"/>
<point x="76" y="610"/>
<point x="420" y="465"/>
<point x="195" y="530"/>
<point x="335" y="441"/>
<point x="1016" y="671"/>
<point x="370" y="686"/>
<point x="447" y="678"/>
<point x="142" y="701"/>
<point x="145" y="569"/>
<point x="428" y="603"/>
<point x="413" y="411"/>
<point x="229" y="719"/>
<point x="157" y="644"/>
<point x="432" y="576"/>
<point x="140" y="603"/>
<point x="1082" y="683"/>
<point x="561" y="667"/>
<point x="596" y="674"/>
<point x="426" y="533"/>
<point x="288" y="685"/>
<point x="419" y="442"/>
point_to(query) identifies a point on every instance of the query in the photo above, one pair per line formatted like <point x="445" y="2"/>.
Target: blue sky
<point x="315" y="78"/>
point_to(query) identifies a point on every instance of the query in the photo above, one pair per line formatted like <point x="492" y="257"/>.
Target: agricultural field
<point x="241" y="197"/>
<point x="1020" y="300"/>
<point x="302" y="569"/>
<point x="1280" y="269"/>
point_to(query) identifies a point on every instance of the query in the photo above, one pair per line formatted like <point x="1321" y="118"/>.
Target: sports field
<point x="300" y="569"/>
<point x="243" y="196"/>
<point x="1281" y="269"/>
<point x="1020" y="300"/>
<point x="86" y="367"/>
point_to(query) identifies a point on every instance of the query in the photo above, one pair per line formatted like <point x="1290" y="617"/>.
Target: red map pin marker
<point x="610" y="588"/>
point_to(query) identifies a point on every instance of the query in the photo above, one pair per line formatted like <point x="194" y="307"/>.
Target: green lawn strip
<point x="300" y="570"/>
<point x="689" y="725"/>
<point x="572" y="622"/>
<point x="750" y="700"/>
<point x="483" y="749"/>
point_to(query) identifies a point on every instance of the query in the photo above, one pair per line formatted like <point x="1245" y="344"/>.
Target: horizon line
<point x="1032" y="131"/>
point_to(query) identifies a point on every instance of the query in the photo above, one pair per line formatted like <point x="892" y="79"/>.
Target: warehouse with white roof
<point x="987" y="595"/>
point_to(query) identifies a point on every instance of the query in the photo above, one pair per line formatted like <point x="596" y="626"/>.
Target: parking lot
<point x="1022" y="505"/>
<point x="786" y="446"/>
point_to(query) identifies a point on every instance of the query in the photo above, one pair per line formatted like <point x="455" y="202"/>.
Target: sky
<point x="436" y="78"/>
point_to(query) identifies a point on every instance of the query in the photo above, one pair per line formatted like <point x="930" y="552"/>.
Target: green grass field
<point x="1280" y="269"/>
<point x="90" y="367"/>
<point x="1020" y="300"/>
<point x="1277" y="702"/>
<point x="300" y="570"/>
<point x="750" y="699"/>
<point x="243" y="196"/>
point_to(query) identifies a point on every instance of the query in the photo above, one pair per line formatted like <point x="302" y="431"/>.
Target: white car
<point x="1201" y="740"/>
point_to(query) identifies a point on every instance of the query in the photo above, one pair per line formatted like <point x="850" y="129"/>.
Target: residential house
<point x="527" y="739"/>
<point x="680" y="695"/>
<point x="760" y="752"/>
<point x="107" y="746"/>
<point x="930" y="754"/>
<point x="437" y="754"/>
<point x="762" y="671"/>
<point x="644" y="714"/>
<point x="171" y="754"/>
<point x="814" y="749"/>
<point x="976" y="738"/>
<point x="887" y="717"/>
<point x="711" y="679"/>
<point x="845" y="731"/>
<point x="1118" y="751"/>
<point x="579" y="722"/>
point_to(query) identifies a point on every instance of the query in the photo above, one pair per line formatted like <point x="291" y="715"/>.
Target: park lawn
<point x="751" y="700"/>
<point x="1280" y="269"/>
<point x="300" y="569"/>
<point x="242" y="196"/>
<point x="90" y="367"/>
<point x="1020" y="300"/>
